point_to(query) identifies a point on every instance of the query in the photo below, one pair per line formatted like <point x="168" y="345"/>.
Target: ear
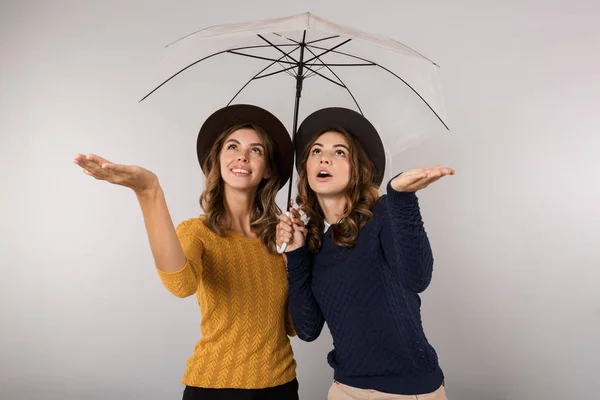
<point x="267" y="173"/>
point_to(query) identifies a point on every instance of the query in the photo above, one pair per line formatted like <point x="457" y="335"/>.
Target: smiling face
<point x="328" y="164"/>
<point x="242" y="160"/>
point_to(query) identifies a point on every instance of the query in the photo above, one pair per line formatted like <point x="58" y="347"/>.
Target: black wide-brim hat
<point x="240" y="114"/>
<point x="351" y="121"/>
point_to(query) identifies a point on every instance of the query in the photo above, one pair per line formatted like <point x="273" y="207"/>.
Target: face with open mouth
<point x="328" y="164"/>
<point x="242" y="159"/>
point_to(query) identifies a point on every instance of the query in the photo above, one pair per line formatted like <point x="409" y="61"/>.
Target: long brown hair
<point x="361" y="195"/>
<point x="264" y="213"/>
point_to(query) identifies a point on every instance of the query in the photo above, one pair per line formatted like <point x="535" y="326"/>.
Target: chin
<point x="326" y="189"/>
<point x="241" y="184"/>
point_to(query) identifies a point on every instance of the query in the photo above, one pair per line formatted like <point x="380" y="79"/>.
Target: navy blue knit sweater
<point x="369" y="297"/>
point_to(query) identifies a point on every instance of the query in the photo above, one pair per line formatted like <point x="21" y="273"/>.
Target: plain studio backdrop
<point x="514" y="307"/>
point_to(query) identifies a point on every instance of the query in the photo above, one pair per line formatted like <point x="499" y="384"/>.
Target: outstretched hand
<point x="419" y="178"/>
<point x="138" y="179"/>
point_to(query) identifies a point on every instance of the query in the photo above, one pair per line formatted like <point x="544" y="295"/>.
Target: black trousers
<point x="288" y="391"/>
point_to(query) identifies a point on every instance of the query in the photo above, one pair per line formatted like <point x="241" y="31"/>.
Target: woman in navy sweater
<point x="360" y="261"/>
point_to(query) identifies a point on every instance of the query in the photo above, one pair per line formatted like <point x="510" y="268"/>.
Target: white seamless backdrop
<point x="513" y="310"/>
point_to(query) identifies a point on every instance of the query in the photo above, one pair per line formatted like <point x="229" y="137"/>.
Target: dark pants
<point x="288" y="391"/>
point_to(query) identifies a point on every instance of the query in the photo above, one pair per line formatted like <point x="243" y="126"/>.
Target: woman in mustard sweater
<point x="226" y="257"/>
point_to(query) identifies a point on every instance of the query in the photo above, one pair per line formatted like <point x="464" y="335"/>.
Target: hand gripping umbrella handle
<point x="281" y="249"/>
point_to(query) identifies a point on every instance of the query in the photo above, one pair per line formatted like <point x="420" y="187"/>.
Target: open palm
<point x="131" y="176"/>
<point x="419" y="178"/>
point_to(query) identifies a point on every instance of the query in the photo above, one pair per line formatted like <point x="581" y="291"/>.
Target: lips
<point x="324" y="175"/>
<point x="238" y="171"/>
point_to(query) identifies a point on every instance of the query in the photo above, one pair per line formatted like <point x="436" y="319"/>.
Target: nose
<point x="243" y="157"/>
<point x="324" y="161"/>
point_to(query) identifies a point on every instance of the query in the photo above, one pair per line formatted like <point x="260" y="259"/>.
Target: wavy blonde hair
<point x="361" y="195"/>
<point x="264" y="213"/>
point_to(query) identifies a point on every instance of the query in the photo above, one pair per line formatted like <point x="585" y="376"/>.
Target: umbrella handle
<point x="281" y="249"/>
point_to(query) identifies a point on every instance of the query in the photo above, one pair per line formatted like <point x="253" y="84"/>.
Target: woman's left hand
<point x="419" y="178"/>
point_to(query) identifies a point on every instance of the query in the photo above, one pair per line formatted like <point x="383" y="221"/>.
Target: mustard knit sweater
<point x="242" y="292"/>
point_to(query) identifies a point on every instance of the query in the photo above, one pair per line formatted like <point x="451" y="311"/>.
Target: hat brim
<point x="239" y="114"/>
<point x="352" y="122"/>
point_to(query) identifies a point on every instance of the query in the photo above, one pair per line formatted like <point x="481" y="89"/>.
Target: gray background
<point x="514" y="308"/>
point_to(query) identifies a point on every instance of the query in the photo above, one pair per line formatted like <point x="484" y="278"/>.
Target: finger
<point x="88" y="164"/>
<point x="93" y="175"/>
<point x="423" y="183"/>
<point x="443" y="170"/>
<point x="78" y="159"/>
<point x="440" y="172"/>
<point x="417" y="184"/>
<point x="282" y="226"/>
<point x="116" y="168"/>
<point x="285" y="219"/>
<point x="97" y="159"/>
<point x="415" y="177"/>
<point x="428" y="181"/>
<point x="286" y="228"/>
<point x="413" y="171"/>
<point x="303" y="232"/>
<point x="434" y="175"/>
<point x="285" y="238"/>
<point x="294" y="212"/>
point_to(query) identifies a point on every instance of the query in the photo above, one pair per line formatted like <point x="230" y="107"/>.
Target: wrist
<point x="395" y="183"/>
<point x="150" y="191"/>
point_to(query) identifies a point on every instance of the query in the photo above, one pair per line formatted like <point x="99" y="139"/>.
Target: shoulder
<point x="380" y="208"/>
<point x="194" y="228"/>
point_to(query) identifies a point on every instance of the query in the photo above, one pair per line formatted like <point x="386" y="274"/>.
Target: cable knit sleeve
<point x="307" y="317"/>
<point x="405" y="242"/>
<point x="184" y="283"/>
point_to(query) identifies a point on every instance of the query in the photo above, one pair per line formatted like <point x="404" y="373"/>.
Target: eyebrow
<point x="335" y="145"/>
<point x="251" y="144"/>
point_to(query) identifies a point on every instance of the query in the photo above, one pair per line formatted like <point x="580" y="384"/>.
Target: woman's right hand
<point x="291" y="230"/>
<point x="140" y="180"/>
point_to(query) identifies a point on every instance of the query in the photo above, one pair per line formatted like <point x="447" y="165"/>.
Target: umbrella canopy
<point x="296" y="65"/>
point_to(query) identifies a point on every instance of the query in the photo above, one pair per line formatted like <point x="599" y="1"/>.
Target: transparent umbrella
<point x="295" y="65"/>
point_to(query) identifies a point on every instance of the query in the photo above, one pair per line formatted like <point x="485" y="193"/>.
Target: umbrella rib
<point x="313" y="74"/>
<point x="258" y="74"/>
<point x="323" y="39"/>
<point x="286" y="38"/>
<point x="394" y="74"/>
<point x="312" y="65"/>
<point x="336" y="75"/>
<point x="275" y="73"/>
<point x="344" y="65"/>
<point x="324" y="77"/>
<point x="259" y="57"/>
<point x="328" y="50"/>
<point x="203" y="59"/>
<point x="278" y="49"/>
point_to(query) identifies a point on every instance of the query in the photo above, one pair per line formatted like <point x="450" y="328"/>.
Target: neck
<point x="238" y="204"/>
<point x="333" y="207"/>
